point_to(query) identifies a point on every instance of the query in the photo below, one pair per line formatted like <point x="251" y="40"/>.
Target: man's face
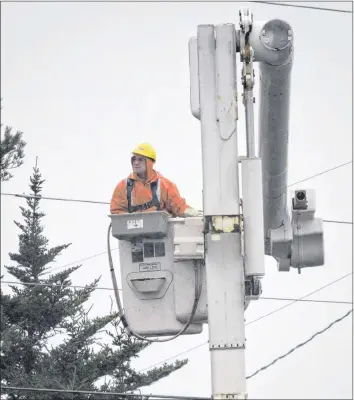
<point x="139" y="164"/>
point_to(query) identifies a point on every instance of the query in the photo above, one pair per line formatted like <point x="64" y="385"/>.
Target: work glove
<point x="192" y="212"/>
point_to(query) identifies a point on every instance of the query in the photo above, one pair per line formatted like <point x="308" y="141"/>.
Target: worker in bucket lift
<point x="147" y="190"/>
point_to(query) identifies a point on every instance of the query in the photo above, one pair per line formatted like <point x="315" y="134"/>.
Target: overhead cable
<point x="300" y="345"/>
<point x="307" y="300"/>
<point x="116" y="248"/>
<point x="82" y="259"/>
<point x="275" y="3"/>
<point x="321" y="173"/>
<point x="109" y="288"/>
<point x="54" y="285"/>
<point x="39" y="197"/>
<point x="301" y="298"/>
<point x="338" y="222"/>
<point x="150" y="396"/>
<point x="253" y="321"/>
<point x="30" y="196"/>
<point x="123" y="395"/>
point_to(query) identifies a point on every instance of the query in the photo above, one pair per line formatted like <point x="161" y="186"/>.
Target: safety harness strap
<point x="155" y="202"/>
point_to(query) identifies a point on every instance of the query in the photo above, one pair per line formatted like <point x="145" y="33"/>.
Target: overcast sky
<point x="86" y="82"/>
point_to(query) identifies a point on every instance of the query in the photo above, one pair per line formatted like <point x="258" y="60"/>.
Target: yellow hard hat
<point x="146" y="150"/>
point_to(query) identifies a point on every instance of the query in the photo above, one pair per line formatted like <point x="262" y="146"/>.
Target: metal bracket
<point x="223" y="224"/>
<point x="253" y="288"/>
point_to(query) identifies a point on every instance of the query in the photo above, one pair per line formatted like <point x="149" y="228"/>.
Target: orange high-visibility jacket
<point x="141" y="192"/>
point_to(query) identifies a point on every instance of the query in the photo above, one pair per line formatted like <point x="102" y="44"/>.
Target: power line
<point x="109" y="288"/>
<point x="300" y="345"/>
<point x="102" y="202"/>
<point x="124" y="395"/>
<point x="116" y="248"/>
<point x="301" y="298"/>
<point x="177" y="355"/>
<point x="82" y="259"/>
<point x="54" y="285"/>
<point x="29" y="196"/>
<point x="321" y="173"/>
<point x="337" y="222"/>
<point x="306" y="300"/>
<point x="273" y="3"/>
<point x="253" y="321"/>
<point x="150" y="396"/>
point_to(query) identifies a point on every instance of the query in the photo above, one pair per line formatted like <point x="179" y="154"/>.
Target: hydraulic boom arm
<point x="293" y="238"/>
<point x="297" y="242"/>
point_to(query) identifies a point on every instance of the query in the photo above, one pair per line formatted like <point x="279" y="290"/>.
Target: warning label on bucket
<point x="146" y="267"/>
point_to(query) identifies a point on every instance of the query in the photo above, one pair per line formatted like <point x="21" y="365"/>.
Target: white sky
<point x="87" y="82"/>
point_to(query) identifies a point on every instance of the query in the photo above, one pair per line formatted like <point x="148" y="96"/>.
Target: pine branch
<point x="11" y="153"/>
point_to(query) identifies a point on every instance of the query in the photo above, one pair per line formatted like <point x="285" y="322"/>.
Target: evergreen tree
<point x="35" y="312"/>
<point x="11" y="153"/>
